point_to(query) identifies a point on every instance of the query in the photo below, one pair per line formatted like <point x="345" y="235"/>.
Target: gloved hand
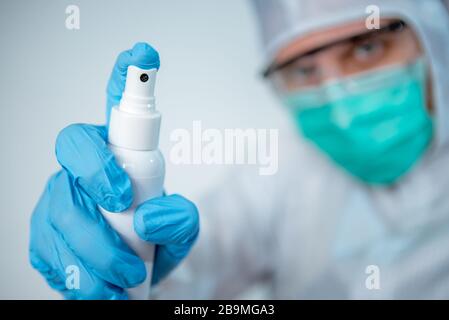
<point x="68" y="230"/>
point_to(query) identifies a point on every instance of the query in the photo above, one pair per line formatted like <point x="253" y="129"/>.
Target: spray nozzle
<point x="135" y="122"/>
<point x="138" y="96"/>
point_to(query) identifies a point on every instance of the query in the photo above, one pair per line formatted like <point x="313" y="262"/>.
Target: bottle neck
<point x="134" y="131"/>
<point x="137" y="105"/>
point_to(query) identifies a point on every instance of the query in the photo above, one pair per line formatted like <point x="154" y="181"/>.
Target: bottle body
<point x="133" y="138"/>
<point x="146" y="170"/>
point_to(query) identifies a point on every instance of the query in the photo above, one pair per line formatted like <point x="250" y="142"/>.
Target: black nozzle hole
<point x="144" y="77"/>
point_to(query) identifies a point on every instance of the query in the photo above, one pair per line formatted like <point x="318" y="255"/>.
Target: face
<point x="343" y="51"/>
<point x="376" y="106"/>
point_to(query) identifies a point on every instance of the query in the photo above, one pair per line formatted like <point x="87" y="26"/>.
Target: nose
<point x="330" y="68"/>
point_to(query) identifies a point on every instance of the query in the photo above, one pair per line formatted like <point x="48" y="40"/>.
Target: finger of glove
<point x="67" y="274"/>
<point x="76" y="218"/>
<point x="142" y="55"/>
<point x="82" y="150"/>
<point x="169" y="220"/>
<point x="47" y="254"/>
<point x="41" y="240"/>
<point x="172" y="222"/>
<point x="167" y="257"/>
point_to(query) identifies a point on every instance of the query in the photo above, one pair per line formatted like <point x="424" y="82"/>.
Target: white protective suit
<point x="311" y="231"/>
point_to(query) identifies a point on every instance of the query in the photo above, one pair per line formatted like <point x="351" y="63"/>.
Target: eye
<point x="367" y="50"/>
<point x="303" y="72"/>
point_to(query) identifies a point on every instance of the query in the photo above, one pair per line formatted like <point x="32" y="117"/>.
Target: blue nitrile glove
<point x="68" y="230"/>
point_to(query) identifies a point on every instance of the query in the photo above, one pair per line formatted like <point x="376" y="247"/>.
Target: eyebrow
<point x="393" y="26"/>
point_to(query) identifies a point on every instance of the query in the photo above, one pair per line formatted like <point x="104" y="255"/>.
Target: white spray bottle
<point x="133" y="138"/>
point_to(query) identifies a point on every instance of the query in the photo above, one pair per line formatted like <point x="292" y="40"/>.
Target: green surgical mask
<point x="375" y="125"/>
